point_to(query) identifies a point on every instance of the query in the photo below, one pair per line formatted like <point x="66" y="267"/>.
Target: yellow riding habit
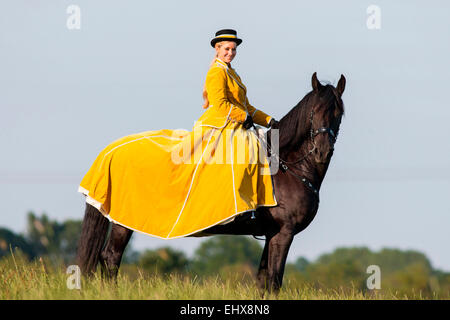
<point x="174" y="183"/>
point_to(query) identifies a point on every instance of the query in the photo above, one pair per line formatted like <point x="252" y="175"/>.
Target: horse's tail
<point x="93" y="235"/>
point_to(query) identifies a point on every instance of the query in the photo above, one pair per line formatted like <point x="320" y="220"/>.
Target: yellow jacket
<point x="228" y="100"/>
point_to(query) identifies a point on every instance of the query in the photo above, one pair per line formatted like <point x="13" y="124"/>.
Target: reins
<point x="283" y="163"/>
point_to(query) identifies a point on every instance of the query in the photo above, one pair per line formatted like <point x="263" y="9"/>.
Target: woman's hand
<point x="248" y="123"/>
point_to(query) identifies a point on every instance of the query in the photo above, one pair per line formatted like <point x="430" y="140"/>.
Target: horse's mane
<point x="294" y="126"/>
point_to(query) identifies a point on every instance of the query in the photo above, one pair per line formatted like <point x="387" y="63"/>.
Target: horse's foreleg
<point x="278" y="248"/>
<point x="111" y="255"/>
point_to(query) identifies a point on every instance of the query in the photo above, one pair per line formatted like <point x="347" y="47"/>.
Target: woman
<point x="174" y="183"/>
<point x="225" y="86"/>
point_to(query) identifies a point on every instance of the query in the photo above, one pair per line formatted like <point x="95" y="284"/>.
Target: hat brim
<point x="215" y="40"/>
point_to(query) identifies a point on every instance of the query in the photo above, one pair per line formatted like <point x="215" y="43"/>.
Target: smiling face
<point x="226" y="50"/>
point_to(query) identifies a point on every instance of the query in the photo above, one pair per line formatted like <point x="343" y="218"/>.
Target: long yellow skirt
<point x="175" y="183"/>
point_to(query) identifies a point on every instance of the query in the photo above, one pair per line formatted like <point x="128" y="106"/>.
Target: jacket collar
<point x="223" y="63"/>
<point x="232" y="73"/>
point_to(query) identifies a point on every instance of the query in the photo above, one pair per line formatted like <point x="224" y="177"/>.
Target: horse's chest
<point x="297" y="201"/>
<point x="301" y="206"/>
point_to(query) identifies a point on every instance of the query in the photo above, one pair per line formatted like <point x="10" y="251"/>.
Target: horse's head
<point x="325" y="117"/>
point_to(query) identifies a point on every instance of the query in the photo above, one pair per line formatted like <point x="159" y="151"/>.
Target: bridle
<point x="313" y="133"/>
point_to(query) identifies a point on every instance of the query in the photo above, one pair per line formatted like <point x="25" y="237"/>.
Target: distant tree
<point x="225" y="250"/>
<point x="345" y="255"/>
<point x="402" y="271"/>
<point x="301" y="264"/>
<point x="42" y="233"/>
<point x="51" y="238"/>
<point x="12" y="241"/>
<point x="391" y="260"/>
<point x="163" y="260"/>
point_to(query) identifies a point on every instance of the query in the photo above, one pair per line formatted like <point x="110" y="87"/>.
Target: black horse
<point x="307" y="135"/>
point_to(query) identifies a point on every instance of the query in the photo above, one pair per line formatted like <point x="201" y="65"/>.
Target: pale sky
<point x="140" y="65"/>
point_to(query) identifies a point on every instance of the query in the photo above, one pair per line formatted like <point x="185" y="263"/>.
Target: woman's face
<point x="226" y="51"/>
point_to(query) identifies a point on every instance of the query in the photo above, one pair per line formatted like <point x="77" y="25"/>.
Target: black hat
<point x="226" y="35"/>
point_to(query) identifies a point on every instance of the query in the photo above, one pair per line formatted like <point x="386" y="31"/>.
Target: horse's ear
<point x="341" y="85"/>
<point x="315" y="83"/>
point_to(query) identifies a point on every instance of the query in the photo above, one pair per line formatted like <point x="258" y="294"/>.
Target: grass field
<point x="21" y="280"/>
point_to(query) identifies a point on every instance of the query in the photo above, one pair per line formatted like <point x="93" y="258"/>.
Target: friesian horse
<point x="307" y="135"/>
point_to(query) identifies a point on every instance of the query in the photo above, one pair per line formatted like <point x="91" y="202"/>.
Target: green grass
<point x="23" y="280"/>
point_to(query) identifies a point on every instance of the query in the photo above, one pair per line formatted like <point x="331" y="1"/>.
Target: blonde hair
<point x="205" y="94"/>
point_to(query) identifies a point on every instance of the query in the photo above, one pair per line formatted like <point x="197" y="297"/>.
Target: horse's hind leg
<point x="111" y="255"/>
<point x="262" y="277"/>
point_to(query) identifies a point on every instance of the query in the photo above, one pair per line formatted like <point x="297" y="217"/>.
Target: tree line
<point x="402" y="271"/>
